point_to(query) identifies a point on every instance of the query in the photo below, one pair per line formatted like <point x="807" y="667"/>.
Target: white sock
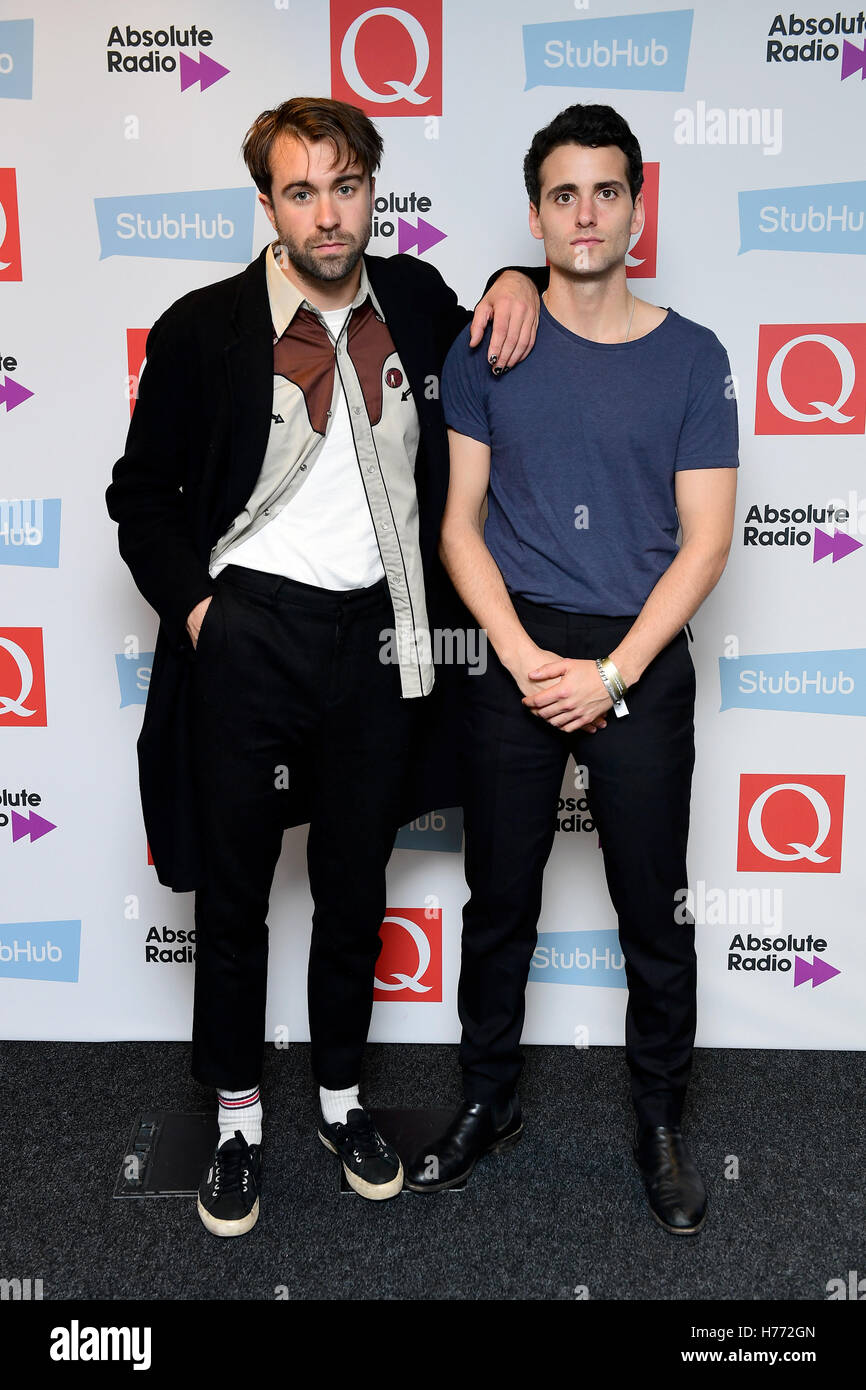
<point x="337" y="1104"/>
<point x="240" y="1110"/>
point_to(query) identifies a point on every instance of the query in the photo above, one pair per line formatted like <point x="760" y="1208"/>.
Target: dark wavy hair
<point x="352" y="134"/>
<point x="583" y="125"/>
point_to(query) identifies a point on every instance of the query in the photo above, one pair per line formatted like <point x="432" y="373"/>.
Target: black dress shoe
<point x="674" y="1187"/>
<point x="474" y="1131"/>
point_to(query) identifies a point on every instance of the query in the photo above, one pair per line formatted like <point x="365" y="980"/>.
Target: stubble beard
<point x="328" y="268"/>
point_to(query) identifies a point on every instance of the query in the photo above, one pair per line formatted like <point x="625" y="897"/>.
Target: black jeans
<point x="288" y="681"/>
<point x="638" y="790"/>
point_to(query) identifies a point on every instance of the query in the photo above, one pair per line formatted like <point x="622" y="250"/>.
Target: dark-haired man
<point x="619" y="426"/>
<point x="278" y="505"/>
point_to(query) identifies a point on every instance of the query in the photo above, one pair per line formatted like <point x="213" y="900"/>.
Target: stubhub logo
<point x="133" y="675"/>
<point x="578" y="958"/>
<point x="215" y="224"/>
<point x="40" y="950"/>
<point x="828" y="682"/>
<point x="16" y="58"/>
<point x="811" y="217"/>
<point x="642" y="52"/>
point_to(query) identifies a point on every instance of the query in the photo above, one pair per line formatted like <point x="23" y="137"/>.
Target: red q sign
<point x="387" y="59"/>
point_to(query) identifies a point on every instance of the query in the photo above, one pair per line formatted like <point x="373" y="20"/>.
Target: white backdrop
<point x="757" y="156"/>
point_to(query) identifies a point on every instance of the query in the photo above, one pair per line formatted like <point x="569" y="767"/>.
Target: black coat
<point x="193" y="454"/>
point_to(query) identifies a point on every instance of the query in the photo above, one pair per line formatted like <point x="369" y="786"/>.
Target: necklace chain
<point x="630" y="317"/>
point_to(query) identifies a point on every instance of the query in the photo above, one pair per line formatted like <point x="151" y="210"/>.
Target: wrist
<point x="629" y="669"/>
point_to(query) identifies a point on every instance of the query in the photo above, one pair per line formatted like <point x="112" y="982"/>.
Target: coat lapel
<point x="249" y="358"/>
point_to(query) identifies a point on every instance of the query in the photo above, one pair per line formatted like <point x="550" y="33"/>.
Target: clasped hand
<point x="567" y="692"/>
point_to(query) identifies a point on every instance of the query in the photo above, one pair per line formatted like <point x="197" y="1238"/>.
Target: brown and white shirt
<point x="314" y="378"/>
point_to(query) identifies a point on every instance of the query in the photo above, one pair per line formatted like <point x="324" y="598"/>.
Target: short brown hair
<point x="354" y="137"/>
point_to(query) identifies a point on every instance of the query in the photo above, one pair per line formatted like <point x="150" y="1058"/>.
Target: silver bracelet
<point x="619" y="705"/>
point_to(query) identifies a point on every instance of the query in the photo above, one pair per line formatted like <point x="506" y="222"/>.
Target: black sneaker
<point x="228" y="1199"/>
<point x="371" y="1166"/>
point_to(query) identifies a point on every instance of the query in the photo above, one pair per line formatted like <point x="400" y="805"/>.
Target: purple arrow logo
<point x="32" y="825"/>
<point x="12" y="393"/>
<point x="818" y="972"/>
<point x="838" y="545"/>
<point x="853" y="60"/>
<point x="207" y="71"/>
<point x="423" y="236"/>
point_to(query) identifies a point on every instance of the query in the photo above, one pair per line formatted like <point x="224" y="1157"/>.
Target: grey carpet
<point x="563" y="1211"/>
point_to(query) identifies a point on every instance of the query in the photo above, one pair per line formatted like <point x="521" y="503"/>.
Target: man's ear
<point x="372" y="188"/>
<point x="269" y="209"/>
<point x="638" y="214"/>
<point x="534" y="224"/>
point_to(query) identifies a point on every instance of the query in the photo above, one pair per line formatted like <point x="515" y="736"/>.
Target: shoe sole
<point x="373" y="1191"/>
<point x="229" y="1228"/>
<point x="674" y="1230"/>
<point x="501" y="1146"/>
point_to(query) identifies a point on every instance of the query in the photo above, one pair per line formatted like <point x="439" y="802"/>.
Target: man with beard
<point x="619" y="428"/>
<point x="278" y="504"/>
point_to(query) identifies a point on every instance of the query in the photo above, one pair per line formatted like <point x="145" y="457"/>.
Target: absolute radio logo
<point x="161" y="51"/>
<point x="790" y="823"/>
<point x="10" y="235"/>
<point x="22" y="678"/>
<point x="420" y="233"/>
<point x="781" y="954"/>
<point x="387" y="59"/>
<point x="811" y="378"/>
<point x="819" y="39"/>
<point x="789" y="527"/>
<point x="169" y="946"/>
<point x="12" y="392"/>
<point x="409" y="968"/>
<point x="18" y="813"/>
<point x="642" y="254"/>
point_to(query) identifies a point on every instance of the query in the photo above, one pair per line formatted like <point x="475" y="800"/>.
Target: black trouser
<point x="288" y="678"/>
<point x="639" y="779"/>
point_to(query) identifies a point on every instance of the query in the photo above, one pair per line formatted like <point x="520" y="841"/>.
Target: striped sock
<point x="337" y="1104"/>
<point x="240" y="1110"/>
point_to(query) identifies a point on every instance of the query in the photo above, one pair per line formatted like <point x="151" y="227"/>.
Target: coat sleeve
<point x="146" y="498"/>
<point x="538" y="274"/>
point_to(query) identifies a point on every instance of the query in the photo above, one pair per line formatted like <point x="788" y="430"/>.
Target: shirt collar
<point x="286" y="299"/>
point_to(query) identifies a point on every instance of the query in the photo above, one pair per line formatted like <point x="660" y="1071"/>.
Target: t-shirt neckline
<point x="606" y="347"/>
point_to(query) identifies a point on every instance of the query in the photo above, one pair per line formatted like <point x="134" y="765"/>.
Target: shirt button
<point x="356" y="410"/>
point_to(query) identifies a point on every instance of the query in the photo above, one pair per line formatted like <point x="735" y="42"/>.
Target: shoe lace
<point x="231" y="1169"/>
<point x="365" y="1139"/>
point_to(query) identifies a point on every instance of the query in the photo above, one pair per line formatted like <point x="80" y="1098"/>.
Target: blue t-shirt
<point x="585" y="439"/>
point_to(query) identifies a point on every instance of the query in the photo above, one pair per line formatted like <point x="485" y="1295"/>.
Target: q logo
<point x="22" y="677"/>
<point x="387" y="59"/>
<point x="136" y="356"/>
<point x="791" y="824"/>
<point x="642" y="255"/>
<point x="811" y="379"/>
<point x="410" y="965"/>
<point x="10" y="238"/>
